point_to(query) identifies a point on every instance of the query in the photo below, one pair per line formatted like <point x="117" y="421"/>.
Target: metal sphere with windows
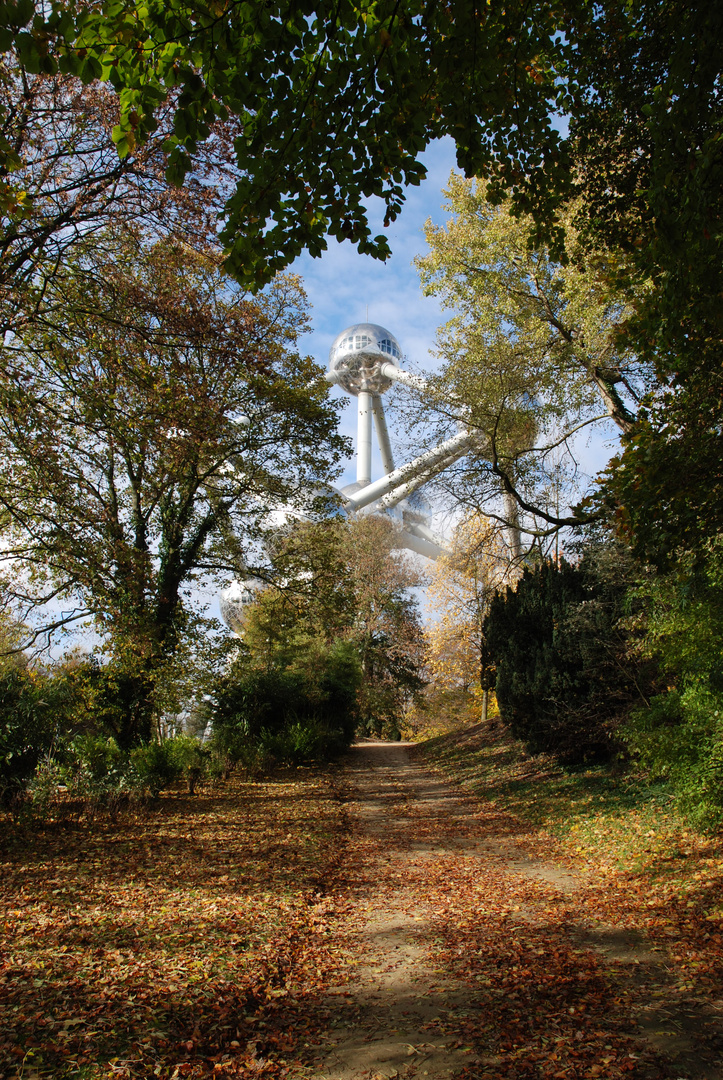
<point x="357" y="355"/>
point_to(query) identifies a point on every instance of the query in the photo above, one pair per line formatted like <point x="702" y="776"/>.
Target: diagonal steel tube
<point x="446" y="452"/>
<point x="395" y="374"/>
<point x="412" y="540"/>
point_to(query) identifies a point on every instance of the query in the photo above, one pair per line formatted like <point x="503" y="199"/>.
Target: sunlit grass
<point x="608" y="815"/>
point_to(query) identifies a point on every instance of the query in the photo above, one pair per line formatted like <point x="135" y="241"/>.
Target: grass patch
<point x="604" y="814"/>
<point x="641" y="865"/>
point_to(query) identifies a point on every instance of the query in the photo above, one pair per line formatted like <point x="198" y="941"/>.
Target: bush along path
<point x="372" y="921"/>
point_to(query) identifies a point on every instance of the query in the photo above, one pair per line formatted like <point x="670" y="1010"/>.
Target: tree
<point x="665" y="488"/>
<point x="335" y="101"/>
<point x="645" y="136"/>
<point x="302" y="710"/>
<point x="646" y="139"/>
<point x="342" y="582"/>
<point x="66" y="183"/>
<point x="531" y="357"/>
<point x="461" y="590"/>
<point x="311" y="596"/>
<point x="387" y="629"/>
<point x="568" y="672"/>
<point x="151" y="417"/>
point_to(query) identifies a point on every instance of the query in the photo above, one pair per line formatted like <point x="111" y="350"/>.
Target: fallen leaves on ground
<point x="218" y="936"/>
<point x="643" y="917"/>
<point x="179" y="941"/>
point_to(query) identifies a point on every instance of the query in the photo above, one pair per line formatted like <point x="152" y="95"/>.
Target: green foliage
<point x="292" y="713"/>
<point x="81" y="774"/>
<point x="343" y="587"/>
<point x="35" y="710"/>
<point x="330" y="104"/>
<point x="189" y="758"/>
<point x="347" y="111"/>
<point x="649" y="161"/>
<point x="55" y="747"/>
<point x="533" y="353"/>
<point x="667" y="484"/>
<point x="89" y="772"/>
<point x="680" y="735"/>
<point x="303" y="740"/>
<point x="385" y="626"/>
<point x="155" y="766"/>
<point x="646" y="136"/>
<point x="552" y="327"/>
<point x="560" y="640"/>
<point x="94" y="757"/>
<point x="26" y="730"/>
<point x="303" y="142"/>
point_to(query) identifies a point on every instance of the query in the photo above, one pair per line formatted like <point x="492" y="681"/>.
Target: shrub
<point x="297" y="713"/>
<point x="188" y="758"/>
<point x="679" y="736"/>
<point x="560" y="639"/>
<point x="44" y="786"/>
<point x="154" y="766"/>
<point x="31" y="718"/>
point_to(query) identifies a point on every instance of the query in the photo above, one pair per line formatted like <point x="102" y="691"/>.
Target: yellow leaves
<point x="460" y="592"/>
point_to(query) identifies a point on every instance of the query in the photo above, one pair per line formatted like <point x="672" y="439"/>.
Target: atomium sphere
<point x="357" y="355"/>
<point x="416" y="509"/>
<point x="234" y="601"/>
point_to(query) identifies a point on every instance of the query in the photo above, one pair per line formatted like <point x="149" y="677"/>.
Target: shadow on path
<point x="472" y="958"/>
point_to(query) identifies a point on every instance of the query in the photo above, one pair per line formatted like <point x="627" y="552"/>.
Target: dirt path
<point x="473" y="957"/>
<point x="391" y="1014"/>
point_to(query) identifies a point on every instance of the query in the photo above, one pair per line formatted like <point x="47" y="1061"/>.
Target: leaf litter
<point x="373" y="921"/>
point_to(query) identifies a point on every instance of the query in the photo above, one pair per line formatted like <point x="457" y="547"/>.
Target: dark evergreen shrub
<point x="560" y="639"/>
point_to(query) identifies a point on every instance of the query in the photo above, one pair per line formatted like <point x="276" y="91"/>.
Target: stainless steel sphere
<point x="357" y="355"/>
<point x="417" y="509"/>
<point x="234" y="601"/>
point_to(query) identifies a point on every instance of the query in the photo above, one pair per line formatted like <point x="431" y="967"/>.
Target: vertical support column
<point x="364" y="439"/>
<point x="380" y="423"/>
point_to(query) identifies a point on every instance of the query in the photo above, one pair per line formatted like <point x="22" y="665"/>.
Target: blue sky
<point x="342" y="282"/>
